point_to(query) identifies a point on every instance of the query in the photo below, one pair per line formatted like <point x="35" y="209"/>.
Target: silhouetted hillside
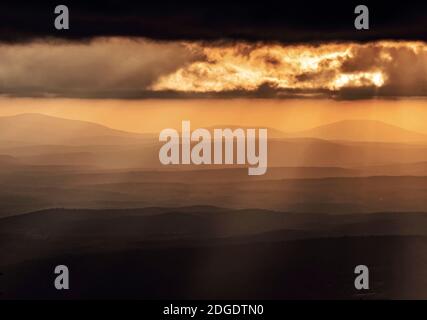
<point x="363" y="130"/>
<point x="207" y="252"/>
<point x="42" y="129"/>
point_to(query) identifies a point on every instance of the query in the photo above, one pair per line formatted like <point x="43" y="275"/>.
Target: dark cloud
<point x="123" y="68"/>
<point x="283" y="21"/>
<point x="263" y="92"/>
<point x="405" y="68"/>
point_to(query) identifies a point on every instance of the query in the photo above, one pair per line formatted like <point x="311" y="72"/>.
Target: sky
<point x="265" y="64"/>
<point x="280" y="21"/>
<point x="288" y="115"/>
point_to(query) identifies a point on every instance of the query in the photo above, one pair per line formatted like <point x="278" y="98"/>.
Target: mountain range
<point x="362" y="130"/>
<point x="38" y="129"/>
<point x="41" y="140"/>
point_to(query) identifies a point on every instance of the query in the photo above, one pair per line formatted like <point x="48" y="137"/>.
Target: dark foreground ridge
<point x="212" y="253"/>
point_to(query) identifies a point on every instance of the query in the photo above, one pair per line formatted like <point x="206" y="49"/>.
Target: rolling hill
<point x="35" y="139"/>
<point x="38" y="129"/>
<point x="207" y="252"/>
<point x="362" y="130"/>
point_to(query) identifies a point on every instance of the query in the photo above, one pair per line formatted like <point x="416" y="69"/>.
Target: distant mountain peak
<point x="36" y="128"/>
<point x="363" y="130"/>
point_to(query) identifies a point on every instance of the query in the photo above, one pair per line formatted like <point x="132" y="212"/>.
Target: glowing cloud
<point x="328" y="66"/>
<point x="140" y="68"/>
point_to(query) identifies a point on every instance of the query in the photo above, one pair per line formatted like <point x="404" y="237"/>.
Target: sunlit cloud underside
<point x="140" y="68"/>
<point x="328" y="66"/>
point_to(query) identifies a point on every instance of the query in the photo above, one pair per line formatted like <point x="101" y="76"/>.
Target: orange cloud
<point x="329" y="66"/>
<point x="137" y="69"/>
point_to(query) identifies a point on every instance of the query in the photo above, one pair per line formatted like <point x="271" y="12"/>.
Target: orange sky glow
<point x="286" y="114"/>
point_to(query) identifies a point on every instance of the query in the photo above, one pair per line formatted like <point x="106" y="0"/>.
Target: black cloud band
<point x="282" y="21"/>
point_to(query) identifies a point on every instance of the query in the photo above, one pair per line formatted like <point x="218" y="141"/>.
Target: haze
<point x="288" y="115"/>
